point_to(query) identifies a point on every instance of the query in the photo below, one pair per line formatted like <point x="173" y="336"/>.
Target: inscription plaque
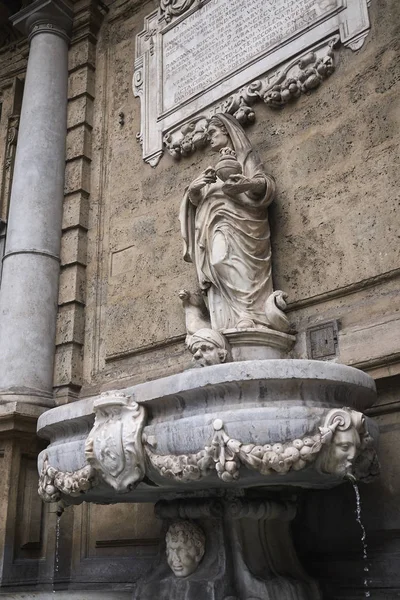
<point x="232" y="33"/>
<point x="186" y="65"/>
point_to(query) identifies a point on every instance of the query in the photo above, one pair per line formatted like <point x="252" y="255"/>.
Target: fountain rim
<point x="228" y="373"/>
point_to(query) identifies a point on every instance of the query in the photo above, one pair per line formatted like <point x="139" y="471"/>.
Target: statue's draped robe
<point x="228" y="240"/>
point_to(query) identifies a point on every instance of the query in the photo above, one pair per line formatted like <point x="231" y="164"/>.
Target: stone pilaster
<point x="31" y="264"/>
<point x="81" y="91"/>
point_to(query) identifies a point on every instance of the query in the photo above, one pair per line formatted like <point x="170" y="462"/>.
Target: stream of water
<point x="367" y="592"/>
<point x="57" y="549"/>
<point x="57" y="561"/>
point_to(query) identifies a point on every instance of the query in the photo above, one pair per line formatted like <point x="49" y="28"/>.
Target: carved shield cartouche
<point x="114" y="446"/>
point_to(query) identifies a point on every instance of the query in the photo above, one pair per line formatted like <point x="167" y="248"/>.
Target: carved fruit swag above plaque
<point x="198" y="57"/>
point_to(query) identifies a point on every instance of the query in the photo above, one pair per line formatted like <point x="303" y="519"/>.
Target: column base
<point x="25" y="395"/>
<point x="259" y="343"/>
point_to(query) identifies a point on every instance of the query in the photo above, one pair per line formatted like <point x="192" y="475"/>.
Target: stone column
<point x="31" y="264"/>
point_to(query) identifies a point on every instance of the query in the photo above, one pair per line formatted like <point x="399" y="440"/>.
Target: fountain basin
<point x="236" y="425"/>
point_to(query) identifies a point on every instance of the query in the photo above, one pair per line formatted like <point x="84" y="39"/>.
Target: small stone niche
<point x="322" y="341"/>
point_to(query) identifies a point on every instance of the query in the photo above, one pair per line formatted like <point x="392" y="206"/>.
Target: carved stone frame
<point x="348" y="20"/>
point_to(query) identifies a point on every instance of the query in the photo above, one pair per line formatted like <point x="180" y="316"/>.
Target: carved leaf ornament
<point x="173" y="8"/>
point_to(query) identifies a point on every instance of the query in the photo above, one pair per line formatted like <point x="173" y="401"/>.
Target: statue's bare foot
<point x="184" y="295"/>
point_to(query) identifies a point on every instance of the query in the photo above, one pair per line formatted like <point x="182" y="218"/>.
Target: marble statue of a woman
<point x="224" y="223"/>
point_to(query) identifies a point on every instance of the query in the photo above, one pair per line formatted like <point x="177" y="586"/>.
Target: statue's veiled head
<point x="185" y="547"/>
<point x="218" y="135"/>
<point x="208" y="347"/>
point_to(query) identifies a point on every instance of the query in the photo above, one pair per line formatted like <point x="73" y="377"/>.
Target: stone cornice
<point x="53" y="16"/>
<point x="18" y="417"/>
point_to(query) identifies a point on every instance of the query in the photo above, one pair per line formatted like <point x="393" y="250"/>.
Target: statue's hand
<point x="237" y="184"/>
<point x="206" y="177"/>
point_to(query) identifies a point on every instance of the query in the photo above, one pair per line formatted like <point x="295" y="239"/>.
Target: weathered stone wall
<point x="334" y="154"/>
<point x="334" y="234"/>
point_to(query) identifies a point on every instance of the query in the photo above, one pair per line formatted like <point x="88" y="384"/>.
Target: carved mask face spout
<point x="185" y="543"/>
<point x="344" y="450"/>
<point x="339" y="457"/>
<point x="208" y="347"/>
<point x="205" y="354"/>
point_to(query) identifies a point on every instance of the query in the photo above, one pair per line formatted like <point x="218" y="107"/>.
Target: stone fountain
<point x="222" y="449"/>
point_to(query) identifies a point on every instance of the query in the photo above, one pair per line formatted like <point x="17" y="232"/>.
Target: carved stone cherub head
<point x="185" y="543"/>
<point x="341" y="437"/>
<point x="208" y="347"/>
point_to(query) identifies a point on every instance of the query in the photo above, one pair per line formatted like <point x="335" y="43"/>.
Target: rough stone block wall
<point x="334" y="236"/>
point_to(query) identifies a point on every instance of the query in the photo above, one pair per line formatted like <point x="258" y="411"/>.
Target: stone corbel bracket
<point x="289" y="67"/>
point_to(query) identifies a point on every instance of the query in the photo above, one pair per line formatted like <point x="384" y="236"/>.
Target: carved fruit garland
<point x="224" y="454"/>
<point x="300" y="76"/>
<point x="227" y="455"/>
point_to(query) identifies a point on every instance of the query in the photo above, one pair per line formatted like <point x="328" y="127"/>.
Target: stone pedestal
<point x="29" y="287"/>
<point x="258" y="344"/>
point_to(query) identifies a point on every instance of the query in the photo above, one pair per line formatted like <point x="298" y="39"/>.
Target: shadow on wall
<point x="329" y="541"/>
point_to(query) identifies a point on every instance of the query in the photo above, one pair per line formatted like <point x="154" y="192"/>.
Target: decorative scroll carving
<point x="174" y="8"/>
<point x="185" y="547"/>
<point x="339" y="442"/>
<point x="53" y="483"/>
<point x="276" y="90"/>
<point x="114" y="445"/>
<point x="261" y="510"/>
